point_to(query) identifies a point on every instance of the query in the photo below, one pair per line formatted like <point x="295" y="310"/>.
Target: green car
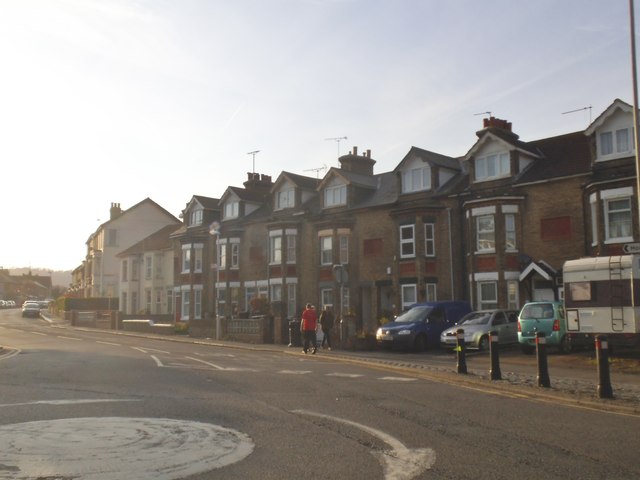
<point x="547" y="317"/>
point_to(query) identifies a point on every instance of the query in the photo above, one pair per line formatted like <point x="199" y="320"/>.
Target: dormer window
<point x="492" y="166"/>
<point x="285" y="199"/>
<point x="196" y="217"/>
<point x="231" y="210"/>
<point x="614" y="143"/>
<point x="335" y="196"/>
<point x="416" y="179"/>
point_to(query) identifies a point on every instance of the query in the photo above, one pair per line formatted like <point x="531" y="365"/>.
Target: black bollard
<point x="604" y="380"/>
<point x="541" y="353"/>
<point x="461" y="349"/>
<point x="494" y="351"/>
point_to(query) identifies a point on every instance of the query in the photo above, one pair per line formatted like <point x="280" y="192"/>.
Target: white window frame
<point x="593" y="203"/>
<point x="231" y="209"/>
<point x="196" y="217"/>
<point x="486" y="302"/>
<point x="292" y="240"/>
<point x="235" y="255"/>
<point x="510" y="244"/>
<point x="608" y="212"/>
<point x="615" y="143"/>
<point x="407" y="241"/>
<point x="197" y="303"/>
<point x="158" y="300"/>
<point x="148" y="267"/>
<point x="409" y="295"/>
<point x="147" y="300"/>
<point x="513" y="297"/>
<point x="285" y="199"/>
<point x="335" y="196"/>
<point x="275" y="293"/>
<point x="492" y="166"/>
<point x="275" y="249"/>
<point x="326" y="297"/>
<point x="431" y="292"/>
<point x="485" y="238"/>
<point x="186" y="258"/>
<point x="197" y="261"/>
<point x="343" y="242"/>
<point x="222" y="255"/>
<point x="416" y="179"/>
<point x="186" y="304"/>
<point x="125" y="270"/>
<point x="326" y="250"/>
<point x="429" y="239"/>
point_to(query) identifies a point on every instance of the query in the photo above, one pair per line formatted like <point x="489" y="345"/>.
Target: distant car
<point x="477" y="326"/>
<point x="420" y="326"/>
<point x="547" y="317"/>
<point x="31" y="309"/>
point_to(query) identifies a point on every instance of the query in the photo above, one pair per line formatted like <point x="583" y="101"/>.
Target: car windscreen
<point x="416" y="314"/>
<point x="538" y="310"/>
<point x="476" y="319"/>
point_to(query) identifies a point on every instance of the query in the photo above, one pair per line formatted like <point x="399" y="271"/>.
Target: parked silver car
<point x="478" y="324"/>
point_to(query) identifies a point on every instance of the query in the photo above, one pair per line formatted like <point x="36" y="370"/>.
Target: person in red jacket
<point x="308" y="327"/>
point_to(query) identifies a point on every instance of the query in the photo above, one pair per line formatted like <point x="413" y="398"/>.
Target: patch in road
<point x="95" y="448"/>
<point x="399" y="462"/>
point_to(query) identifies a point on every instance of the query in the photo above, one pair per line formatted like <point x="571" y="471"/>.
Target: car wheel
<point x="527" y="349"/>
<point x="420" y="344"/>
<point x="565" y="345"/>
<point x="483" y="344"/>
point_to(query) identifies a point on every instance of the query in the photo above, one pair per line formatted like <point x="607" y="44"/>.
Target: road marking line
<point x="70" y="338"/>
<point x="345" y="375"/>
<point x="295" y="372"/>
<point x="217" y="367"/>
<point x="140" y="349"/>
<point x="156" y="350"/>
<point x="108" y="343"/>
<point x="398" y="379"/>
<point x="71" y="402"/>
<point x="157" y="360"/>
<point x="400" y="463"/>
<point x="39" y="333"/>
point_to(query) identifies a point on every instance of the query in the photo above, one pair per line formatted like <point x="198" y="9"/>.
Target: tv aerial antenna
<point x="323" y="168"/>
<point x="580" y="110"/>
<point x="337" y="140"/>
<point x="253" y="154"/>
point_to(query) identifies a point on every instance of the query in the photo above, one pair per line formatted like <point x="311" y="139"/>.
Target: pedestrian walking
<point x="308" y="326"/>
<point x="326" y="323"/>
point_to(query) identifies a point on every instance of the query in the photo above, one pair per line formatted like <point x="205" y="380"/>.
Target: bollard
<point x="461" y="349"/>
<point x="541" y="353"/>
<point x="494" y="351"/>
<point x="604" y="380"/>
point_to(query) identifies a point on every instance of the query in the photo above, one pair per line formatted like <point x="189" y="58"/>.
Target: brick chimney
<point x="496" y="124"/>
<point x="258" y="182"/>
<point x="362" y="164"/>
<point x="115" y="211"/>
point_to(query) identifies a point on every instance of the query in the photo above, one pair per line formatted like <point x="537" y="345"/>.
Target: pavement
<point x="574" y="377"/>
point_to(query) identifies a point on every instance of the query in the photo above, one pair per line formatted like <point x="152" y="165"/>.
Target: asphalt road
<point x="92" y="405"/>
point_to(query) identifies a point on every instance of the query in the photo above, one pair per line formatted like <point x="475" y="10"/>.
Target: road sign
<point x="631" y="247"/>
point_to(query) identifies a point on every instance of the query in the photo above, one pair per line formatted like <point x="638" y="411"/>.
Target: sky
<point x="114" y="101"/>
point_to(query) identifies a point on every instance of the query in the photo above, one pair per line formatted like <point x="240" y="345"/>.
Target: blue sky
<point x="107" y="101"/>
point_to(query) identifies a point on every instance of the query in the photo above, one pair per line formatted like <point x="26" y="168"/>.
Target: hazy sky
<point x="107" y="101"/>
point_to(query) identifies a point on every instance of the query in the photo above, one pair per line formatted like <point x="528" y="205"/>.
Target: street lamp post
<point x="214" y="230"/>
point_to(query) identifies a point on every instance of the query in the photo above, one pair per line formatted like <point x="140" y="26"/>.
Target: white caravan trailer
<point x="602" y="297"/>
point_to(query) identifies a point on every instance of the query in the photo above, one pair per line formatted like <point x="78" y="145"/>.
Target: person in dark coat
<point x="326" y="323"/>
